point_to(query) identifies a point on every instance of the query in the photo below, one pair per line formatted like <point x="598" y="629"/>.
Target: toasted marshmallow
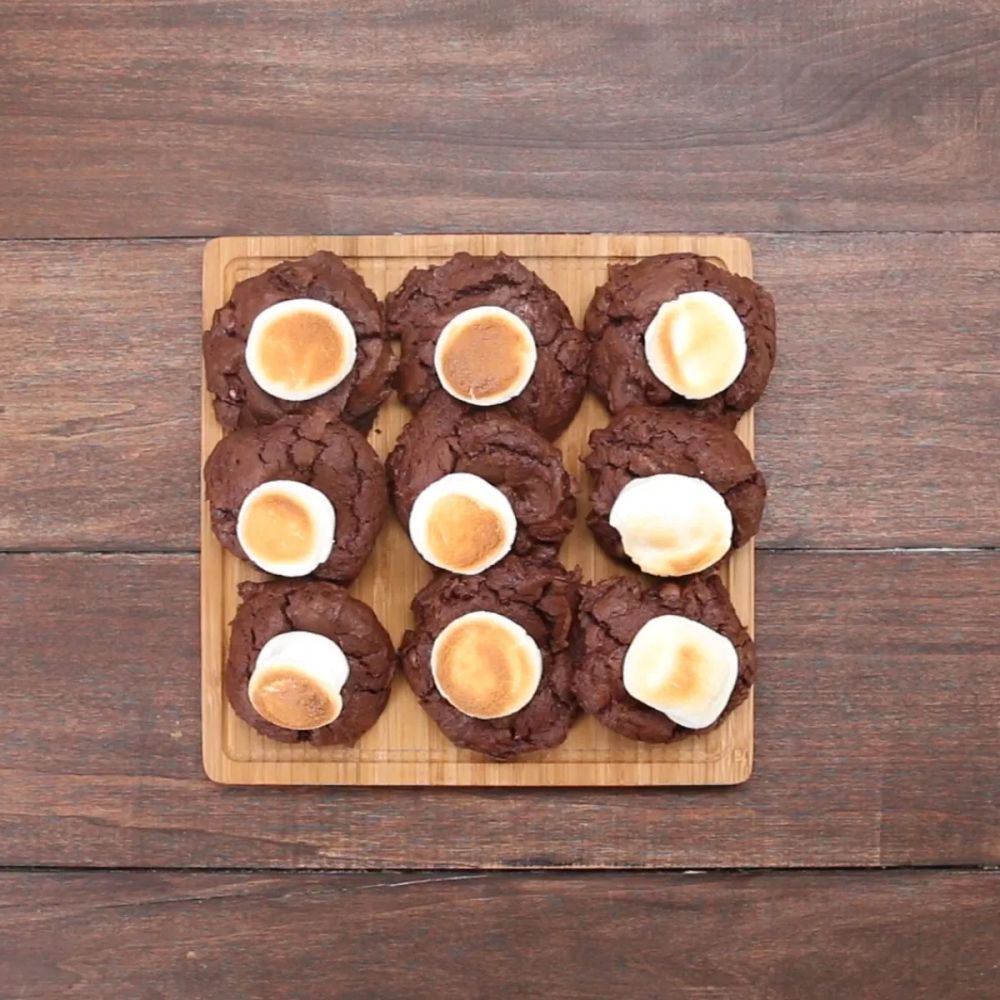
<point x="300" y="348"/>
<point x="297" y="680"/>
<point x="696" y="344"/>
<point x="681" y="668"/>
<point x="485" y="355"/>
<point x="286" y="528"/>
<point x="672" y="525"/>
<point x="486" y="665"/>
<point x="462" y="523"/>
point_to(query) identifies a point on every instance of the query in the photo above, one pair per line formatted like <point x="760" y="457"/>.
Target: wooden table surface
<point x="857" y="144"/>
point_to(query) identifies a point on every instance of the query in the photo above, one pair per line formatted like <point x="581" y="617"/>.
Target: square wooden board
<point x="405" y="747"/>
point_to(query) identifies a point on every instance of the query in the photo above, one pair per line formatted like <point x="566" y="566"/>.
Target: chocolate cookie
<point x="447" y="436"/>
<point x="623" y="308"/>
<point x="313" y="448"/>
<point x="271" y="609"/>
<point x="611" y="614"/>
<point x="643" y="441"/>
<point x="430" y="297"/>
<point x="539" y="598"/>
<point x="240" y="401"/>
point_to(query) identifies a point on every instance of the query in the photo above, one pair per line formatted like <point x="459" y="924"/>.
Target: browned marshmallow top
<point x="486" y="665"/>
<point x="286" y="527"/>
<point x="485" y="355"/>
<point x="300" y="348"/>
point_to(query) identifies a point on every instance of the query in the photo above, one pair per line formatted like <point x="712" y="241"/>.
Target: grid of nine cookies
<point x="404" y="746"/>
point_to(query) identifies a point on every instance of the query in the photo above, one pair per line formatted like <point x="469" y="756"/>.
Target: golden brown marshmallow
<point x="486" y="665"/>
<point x="485" y="356"/>
<point x="300" y="348"/>
<point x="286" y="527"/>
<point x="462" y="523"/>
<point x="297" y="680"/>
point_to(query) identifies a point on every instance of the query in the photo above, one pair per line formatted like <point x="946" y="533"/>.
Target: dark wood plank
<point x="885" y="935"/>
<point x="101" y="394"/>
<point x="877" y="738"/>
<point x="873" y="434"/>
<point x="885" y="390"/>
<point x="192" y="118"/>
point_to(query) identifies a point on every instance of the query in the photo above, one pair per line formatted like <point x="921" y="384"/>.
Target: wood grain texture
<point x="877" y="738"/>
<point x="191" y="118"/>
<point x="405" y="747"/>
<point x="100" y="393"/>
<point x="883" y="403"/>
<point x="734" y="936"/>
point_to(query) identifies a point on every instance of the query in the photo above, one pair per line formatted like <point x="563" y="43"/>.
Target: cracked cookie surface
<point x="612" y="612"/>
<point x="314" y="448"/>
<point x="240" y="401"/>
<point x="541" y="597"/>
<point x="446" y="437"/>
<point x="429" y="297"/>
<point x="270" y="609"/>
<point x="624" y="306"/>
<point x="646" y="441"/>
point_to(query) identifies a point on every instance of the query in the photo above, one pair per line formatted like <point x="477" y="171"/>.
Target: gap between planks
<point x="418" y="875"/>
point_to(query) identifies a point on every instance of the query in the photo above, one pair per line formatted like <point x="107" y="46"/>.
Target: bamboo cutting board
<point x="405" y="747"/>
